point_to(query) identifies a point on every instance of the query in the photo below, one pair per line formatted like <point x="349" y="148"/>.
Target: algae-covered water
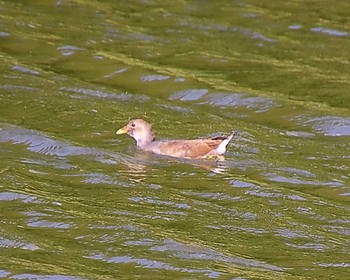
<point x="79" y="202"/>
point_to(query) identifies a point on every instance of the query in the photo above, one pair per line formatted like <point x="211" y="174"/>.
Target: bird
<point x="142" y="132"/>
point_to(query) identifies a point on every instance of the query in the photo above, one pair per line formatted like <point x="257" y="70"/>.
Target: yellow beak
<point x="122" y="130"/>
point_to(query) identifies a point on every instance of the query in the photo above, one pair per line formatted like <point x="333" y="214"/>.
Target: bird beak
<point x="122" y="130"/>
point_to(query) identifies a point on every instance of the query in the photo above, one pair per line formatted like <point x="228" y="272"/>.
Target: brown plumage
<point x="141" y="131"/>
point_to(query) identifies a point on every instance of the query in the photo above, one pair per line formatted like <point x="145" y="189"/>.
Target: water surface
<point x="79" y="202"/>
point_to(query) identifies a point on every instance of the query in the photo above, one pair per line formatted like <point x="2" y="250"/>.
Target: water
<point x="79" y="202"/>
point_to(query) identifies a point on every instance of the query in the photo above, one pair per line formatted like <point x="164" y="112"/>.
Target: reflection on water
<point x="331" y="125"/>
<point x="107" y="95"/>
<point x="8" y="196"/>
<point x="329" y="31"/>
<point x="7" y="243"/>
<point x="159" y="213"/>
<point x="237" y="99"/>
<point x="44" y="277"/>
<point x="152" y="264"/>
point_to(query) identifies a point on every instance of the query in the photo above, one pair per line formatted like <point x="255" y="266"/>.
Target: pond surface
<point x="79" y="202"/>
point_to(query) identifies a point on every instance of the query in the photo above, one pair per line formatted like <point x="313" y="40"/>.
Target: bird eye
<point x="133" y="125"/>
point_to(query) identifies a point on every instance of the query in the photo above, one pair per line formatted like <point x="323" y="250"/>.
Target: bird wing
<point x="188" y="148"/>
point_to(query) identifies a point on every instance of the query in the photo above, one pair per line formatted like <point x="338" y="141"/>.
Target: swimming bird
<point x="142" y="132"/>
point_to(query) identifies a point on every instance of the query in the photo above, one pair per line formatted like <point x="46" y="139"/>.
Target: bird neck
<point x="144" y="141"/>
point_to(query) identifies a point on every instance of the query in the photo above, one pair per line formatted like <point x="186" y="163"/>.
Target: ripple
<point x="160" y="202"/>
<point x="68" y="50"/>
<point x="4" y="273"/>
<point x="295" y="27"/>
<point x="18" y="88"/>
<point x="328" y="31"/>
<point x="24" y="70"/>
<point x="176" y="108"/>
<point x="153" y="264"/>
<point x="261" y="193"/>
<point x="291" y="233"/>
<point x="107" y="95"/>
<point x="242" y="184"/>
<point x="259" y="231"/>
<point x="339" y="230"/>
<point x="313" y="246"/>
<point x="300" y="134"/>
<point x="297" y="171"/>
<point x="344" y="264"/>
<point x="296" y="197"/>
<point x="34" y="222"/>
<point x="193" y="252"/>
<point x="236" y="29"/>
<point x="45" y="277"/>
<point x="152" y="78"/>
<point x="120" y="71"/>
<point x="240" y="100"/>
<point x="7" y="243"/>
<point x="10" y="196"/>
<point x="59" y="164"/>
<point x="188" y="95"/>
<point x="4" y="34"/>
<point x="213" y="196"/>
<point x="331" y="125"/>
<point x="40" y="143"/>
<point x="99" y="178"/>
<point x="296" y="181"/>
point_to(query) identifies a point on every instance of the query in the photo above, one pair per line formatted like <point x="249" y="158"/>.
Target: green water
<point x="79" y="202"/>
